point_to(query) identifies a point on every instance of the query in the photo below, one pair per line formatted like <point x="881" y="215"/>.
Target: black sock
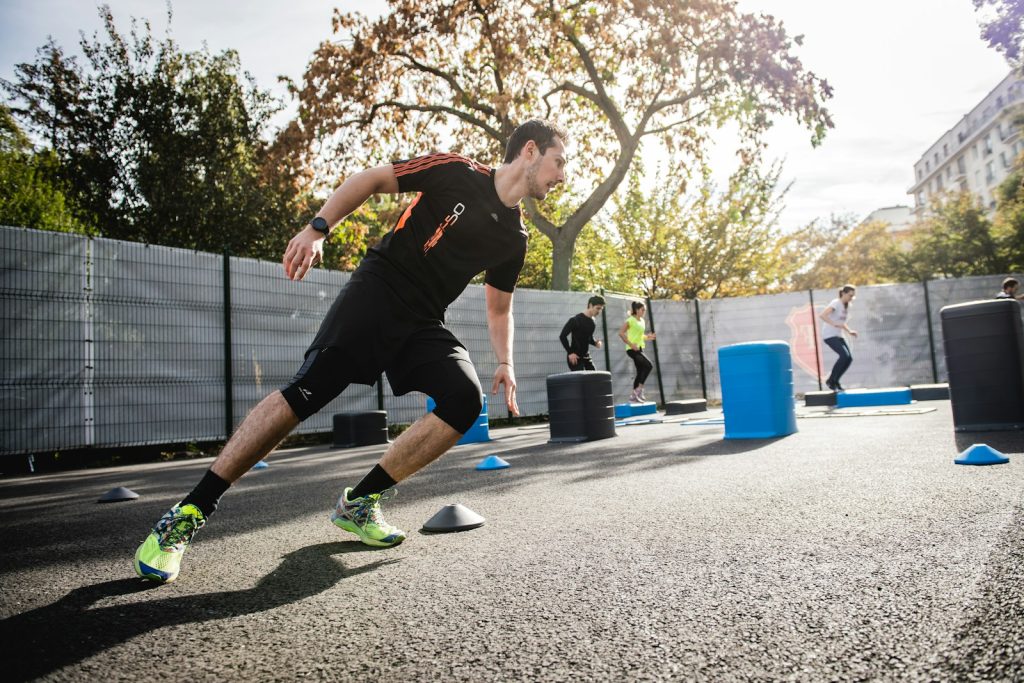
<point x="206" y="493"/>
<point x="376" y="481"/>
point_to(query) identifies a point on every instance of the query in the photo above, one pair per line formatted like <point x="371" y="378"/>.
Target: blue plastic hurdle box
<point x="757" y="390"/>
<point x="861" y="398"/>
<point x="635" y="409"/>
<point x="479" y="432"/>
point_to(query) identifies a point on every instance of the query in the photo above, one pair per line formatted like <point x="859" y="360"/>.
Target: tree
<point x="955" y="239"/>
<point x="1003" y="27"/>
<point x="163" y="146"/>
<point x="710" y="242"/>
<point x="30" y="196"/>
<point x="1008" y="227"/>
<point x="844" y="252"/>
<point x="616" y="72"/>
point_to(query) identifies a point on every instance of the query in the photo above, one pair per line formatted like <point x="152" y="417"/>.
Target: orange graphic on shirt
<point x="445" y="224"/>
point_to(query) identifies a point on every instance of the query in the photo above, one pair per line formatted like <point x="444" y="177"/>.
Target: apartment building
<point x="976" y="154"/>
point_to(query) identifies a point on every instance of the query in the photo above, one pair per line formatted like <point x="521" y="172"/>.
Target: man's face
<point x="546" y="171"/>
<point x="595" y="310"/>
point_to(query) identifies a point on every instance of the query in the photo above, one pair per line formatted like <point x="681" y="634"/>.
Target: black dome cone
<point x="454" y="517"/>
<point x="117" y="494"/>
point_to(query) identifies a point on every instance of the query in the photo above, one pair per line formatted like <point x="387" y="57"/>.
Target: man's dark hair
<point x="542" y="132"/>
<point x="1010" y="282"/>
<point x="595" y="301"/>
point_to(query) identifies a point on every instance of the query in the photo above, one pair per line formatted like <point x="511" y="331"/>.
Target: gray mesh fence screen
<point x="678" y="349"/>
<point x="158" y="331"/>
<point x="109" y="343"/>
<point x="44" y="401"/>
<point x="784" y="317"/>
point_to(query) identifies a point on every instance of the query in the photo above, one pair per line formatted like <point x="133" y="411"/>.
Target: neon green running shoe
<point x="362" y="517"/>
<point x="159" y="556"/>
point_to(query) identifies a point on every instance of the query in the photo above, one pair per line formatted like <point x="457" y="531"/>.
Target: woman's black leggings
<point x="643" y="366"/>
<point x="839" y="345"/>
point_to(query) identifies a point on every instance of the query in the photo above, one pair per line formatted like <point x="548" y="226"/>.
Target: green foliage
<point x="163" y="146"/>
<point x="30" y="195"/>
<point x="842" y="251"/>
<point x="710" y="242"/>
<point x="955" y="239"/>
<point x="1009" y="220"/>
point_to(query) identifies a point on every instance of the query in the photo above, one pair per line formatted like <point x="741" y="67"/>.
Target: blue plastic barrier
<point x="757" y="390"/>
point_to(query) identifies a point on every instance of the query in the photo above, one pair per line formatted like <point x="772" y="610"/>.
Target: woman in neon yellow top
<point x="634" y="333"/>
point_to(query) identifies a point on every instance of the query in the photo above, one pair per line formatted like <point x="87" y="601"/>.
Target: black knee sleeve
<point x="460" y="403"/>
<point x="320" y="379"/>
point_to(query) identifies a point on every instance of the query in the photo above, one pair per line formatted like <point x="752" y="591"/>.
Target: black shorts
<point x="369" y="331"/>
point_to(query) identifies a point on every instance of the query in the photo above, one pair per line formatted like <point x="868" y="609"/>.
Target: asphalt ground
<point x="852" y="550"/>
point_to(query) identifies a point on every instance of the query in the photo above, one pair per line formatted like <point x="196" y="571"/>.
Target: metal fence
<point x="110" y="343"/>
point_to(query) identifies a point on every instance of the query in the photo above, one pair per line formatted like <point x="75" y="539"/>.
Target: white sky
<point x="904" y="72"/>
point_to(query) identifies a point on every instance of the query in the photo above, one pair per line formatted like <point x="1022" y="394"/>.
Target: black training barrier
<point x="580" y="406"/>
<point x="984" y="347"/>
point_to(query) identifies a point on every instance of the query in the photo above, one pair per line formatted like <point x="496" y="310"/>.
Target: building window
<point x="961" y="167"/>
<point x="936" y="160"/>
<point x="974" y="151"/>
<point x="919" y="198"/>
<point x="990" y="172"/>
<point x="927" y="167"/>
<point x="945" y="149"/>
<point x="1002" y="157"/>
<point x="977" y="179"/>
<point x="988" y="143"/>
<point x="919" y="174"/>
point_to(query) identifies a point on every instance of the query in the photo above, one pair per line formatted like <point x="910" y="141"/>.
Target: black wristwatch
<point x="320" y="225"/>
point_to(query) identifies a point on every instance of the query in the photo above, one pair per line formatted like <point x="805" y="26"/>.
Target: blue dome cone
<point x="492" y="462"/>
<point x="261" y="465"/>
<point x="981" y="454"/>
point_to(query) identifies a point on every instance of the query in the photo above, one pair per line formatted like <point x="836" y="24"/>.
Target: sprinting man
<point x="581" y="328"/>
<point x="465" y="219"/>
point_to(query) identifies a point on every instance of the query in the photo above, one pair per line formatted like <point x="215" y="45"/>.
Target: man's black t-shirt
<point x="455" y="228"/>
<point x="581" y="326"/>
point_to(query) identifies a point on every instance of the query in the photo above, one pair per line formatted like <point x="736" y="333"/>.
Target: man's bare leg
<point x="418" y="446"/>
<point x="260" y="432"/>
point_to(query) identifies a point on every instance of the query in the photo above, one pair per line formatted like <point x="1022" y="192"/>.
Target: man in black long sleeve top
<point x="581" y="327"/>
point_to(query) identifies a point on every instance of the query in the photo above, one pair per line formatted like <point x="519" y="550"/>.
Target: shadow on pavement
<point x="43" y="640"/>
<point x="1011" y="441"/>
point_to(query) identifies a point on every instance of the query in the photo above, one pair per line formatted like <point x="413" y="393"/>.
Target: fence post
<point x="654" y="343"/>
<point x="380" y="393"/>
<point x="89" y="347"/>
<point x="229" y="399"/>
<point x="931" y="335"/>
<point x="607" y="341"/>
<point x="817" y="346"/>
<point x="700" y="352"/>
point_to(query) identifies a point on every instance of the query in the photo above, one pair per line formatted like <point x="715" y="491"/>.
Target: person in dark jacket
<point x="581" y="328"/>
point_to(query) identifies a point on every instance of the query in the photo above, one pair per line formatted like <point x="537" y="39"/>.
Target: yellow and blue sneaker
<point x="362" y="517"/>
<point x="159" y="556"/>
